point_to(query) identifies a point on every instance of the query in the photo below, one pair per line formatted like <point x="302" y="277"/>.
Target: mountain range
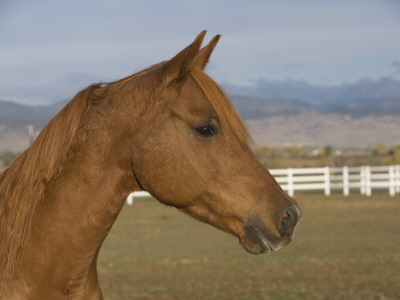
<point x="323" y="97"/>
<point x="278" y="113"/>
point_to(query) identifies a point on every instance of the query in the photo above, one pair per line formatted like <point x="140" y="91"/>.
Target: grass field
<point x="344" y="248"/>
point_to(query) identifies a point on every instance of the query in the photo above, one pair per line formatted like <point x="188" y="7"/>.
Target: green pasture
<point x="344" y="248"/>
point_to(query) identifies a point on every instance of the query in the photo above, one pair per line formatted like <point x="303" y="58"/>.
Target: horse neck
<point x="96" y="175"/>
<point x="88" y="194"/>
<point x="81" y="204"/>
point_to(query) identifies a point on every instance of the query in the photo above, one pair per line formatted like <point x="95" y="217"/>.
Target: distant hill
<point x="321" y="129"/>
<point x="369" y="107"/>
<point x="323" y="97"/>
<point x="362" y="114"/>
<point x="14" y="115"/>
<point x="256" y="108"/>
<point x="14" y="121"/>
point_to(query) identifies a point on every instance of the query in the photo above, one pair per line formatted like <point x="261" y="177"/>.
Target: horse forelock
<point x="231" y="123"/>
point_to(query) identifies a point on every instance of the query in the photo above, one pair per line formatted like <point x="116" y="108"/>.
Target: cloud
<point x="396" y="65"/>
<point x="317" y="43"/>
<point x="43" y="92"/>
<point x="294" y="66"/>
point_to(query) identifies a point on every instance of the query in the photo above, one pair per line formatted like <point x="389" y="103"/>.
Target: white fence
<point x="365" y="179"/>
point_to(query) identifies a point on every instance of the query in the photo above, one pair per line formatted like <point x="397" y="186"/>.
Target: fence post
<point x="368" y="180"/>
<point x="290" y="182"/>
<point x="129" y="199"/>
<point x="397" y="178"/>
<point x="362" y="180"/>
<point x="345" y="173"/>
<point x="392" y="181"/>
<point x="327" y="181"/>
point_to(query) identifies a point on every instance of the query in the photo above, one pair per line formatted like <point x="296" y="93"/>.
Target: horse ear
<point x="204" y="54"/>
<point x="179" y="66"/>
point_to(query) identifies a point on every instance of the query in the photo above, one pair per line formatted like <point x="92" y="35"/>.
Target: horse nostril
<point x="289" y="221"/>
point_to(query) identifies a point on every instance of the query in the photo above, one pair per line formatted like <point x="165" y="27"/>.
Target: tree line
<point x="303" y="157"/>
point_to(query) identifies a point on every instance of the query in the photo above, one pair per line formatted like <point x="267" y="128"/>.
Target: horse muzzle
<point x="259" y="238"/>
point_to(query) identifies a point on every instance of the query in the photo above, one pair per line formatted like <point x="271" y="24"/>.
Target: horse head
<point x="192" y="151"/>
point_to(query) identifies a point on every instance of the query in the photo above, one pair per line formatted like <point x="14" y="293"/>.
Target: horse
<point x="169" y="130"/>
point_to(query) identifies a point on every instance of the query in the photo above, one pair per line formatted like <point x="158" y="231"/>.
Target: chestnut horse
<point x="169" y="130"/>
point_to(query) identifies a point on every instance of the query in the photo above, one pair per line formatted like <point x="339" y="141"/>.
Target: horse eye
<point x="206" y="131"/>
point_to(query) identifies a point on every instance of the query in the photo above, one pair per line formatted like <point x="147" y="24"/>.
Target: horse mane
<point x="230" y="121"/>
<point x="22" y="185"/>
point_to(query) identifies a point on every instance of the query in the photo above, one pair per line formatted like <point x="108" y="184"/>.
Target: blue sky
<point x="50" y="49"/>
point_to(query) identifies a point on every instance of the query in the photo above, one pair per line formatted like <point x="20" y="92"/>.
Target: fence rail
<point x="364" y="179"/>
